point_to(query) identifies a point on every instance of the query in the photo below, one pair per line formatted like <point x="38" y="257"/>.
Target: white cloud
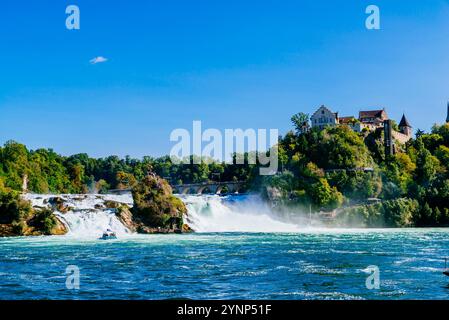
<point x="98" y="59"/>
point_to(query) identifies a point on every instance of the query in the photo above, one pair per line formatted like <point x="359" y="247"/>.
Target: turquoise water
<point x="316" y="264"/>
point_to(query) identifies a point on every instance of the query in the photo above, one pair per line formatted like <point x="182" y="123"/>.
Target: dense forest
<point x="327" y="170"/>
<point x="48" y="171"/>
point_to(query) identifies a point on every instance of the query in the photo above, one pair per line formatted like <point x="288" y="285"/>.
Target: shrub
<point x="392" y="213"/>
<point x="44" y="221"/>
<point x="13" y="207"/>
<point x="19" y="227"/>
<point x="155" y="204"/>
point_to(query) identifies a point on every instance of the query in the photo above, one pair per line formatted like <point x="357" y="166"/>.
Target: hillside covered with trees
<point x="339" y="168"/>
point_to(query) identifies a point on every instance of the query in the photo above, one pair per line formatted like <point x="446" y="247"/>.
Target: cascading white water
<point x="92" y="223"/>
<point x="209" y="213"/>
<point x="87" y="215"/>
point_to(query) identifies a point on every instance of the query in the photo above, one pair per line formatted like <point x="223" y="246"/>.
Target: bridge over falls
<point x="209" y="188"/>
<point x="200" y="188"/>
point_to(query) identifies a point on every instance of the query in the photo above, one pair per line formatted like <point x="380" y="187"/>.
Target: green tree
<point x="323" y="195"/>
<point x="300" y="122"/>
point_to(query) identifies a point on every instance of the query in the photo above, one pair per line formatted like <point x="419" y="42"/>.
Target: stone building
<point x="370" y="120"/>
<point x="324" y="117"/>
<point x="405" y="132"/>
<point x="373" y="119"/>
<point x="405" y="127"/>
<point x="351" y="122"/>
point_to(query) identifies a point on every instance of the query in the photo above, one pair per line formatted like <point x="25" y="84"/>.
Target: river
<point x="237" y="253"/>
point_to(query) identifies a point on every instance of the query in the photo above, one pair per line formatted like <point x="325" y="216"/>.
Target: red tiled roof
<point x="344" y="120"/>
<point x="371" y="114"/>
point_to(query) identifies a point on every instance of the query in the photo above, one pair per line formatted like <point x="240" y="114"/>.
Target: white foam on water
<point x="87" y="216"/>
<point x="87" y="223"/>
<point x="212" y="213"/>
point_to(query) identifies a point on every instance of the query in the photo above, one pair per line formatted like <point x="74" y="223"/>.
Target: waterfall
<point x="87" y="215"/>
<point x="92" y="223"/>
<point x="236" y="213"/>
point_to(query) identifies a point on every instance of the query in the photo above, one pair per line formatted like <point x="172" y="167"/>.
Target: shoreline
<point x="303" y="230"/>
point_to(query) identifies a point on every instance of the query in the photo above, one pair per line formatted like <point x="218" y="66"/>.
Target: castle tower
<point x="447" y="119"/>
<point x="388" y="139"/>
<point x="405" y="126"/>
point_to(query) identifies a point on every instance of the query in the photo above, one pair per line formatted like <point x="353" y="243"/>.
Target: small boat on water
<point x="108" y="235"/>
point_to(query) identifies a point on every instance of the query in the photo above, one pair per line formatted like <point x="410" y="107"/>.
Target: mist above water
<point x="212" y="213"/>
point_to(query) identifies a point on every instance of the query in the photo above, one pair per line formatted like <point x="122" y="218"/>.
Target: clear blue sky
<point x="230" y="64"/>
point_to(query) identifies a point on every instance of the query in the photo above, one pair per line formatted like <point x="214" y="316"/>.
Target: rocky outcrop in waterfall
<point x="19" y="218"/>
<point x="156" y="209"/>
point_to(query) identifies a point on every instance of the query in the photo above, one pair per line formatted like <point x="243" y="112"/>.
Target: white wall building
<point x="324" y="117"/>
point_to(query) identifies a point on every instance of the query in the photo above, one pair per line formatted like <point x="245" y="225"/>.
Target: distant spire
<point x="404" y="122"/>
<point x="447" y="119"/>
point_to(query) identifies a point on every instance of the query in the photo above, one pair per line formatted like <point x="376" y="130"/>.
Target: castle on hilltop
<point x="369" y="120"/>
